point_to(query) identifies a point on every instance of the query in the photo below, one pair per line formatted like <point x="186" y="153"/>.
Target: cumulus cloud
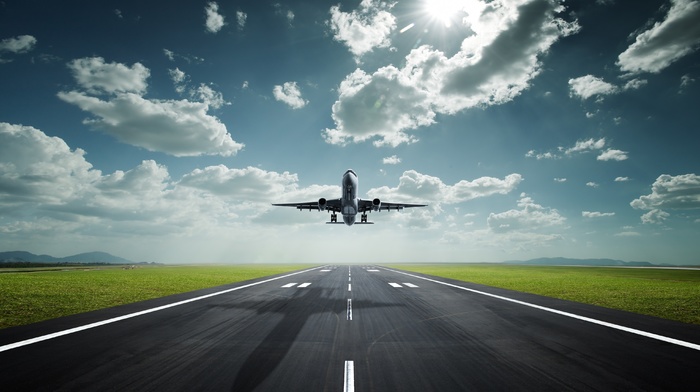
<point x="582" y="147"/>
<point x="41" y="175"/>
<point x="622" y="179"/>
<point x="680" y="192"/>
<point x="215" y="21"/>
<point x="530" y="217"/>
<point x="96" y="76"/>
<point x="392" y="160"/>
<point x="665" y="42"/>
<point x="364" y="29"/>
<point x="596" y="214"/>
<point x="251" y="183"/>
<point x="19" y="44"/>
<point x="589" y="86"/>
<point x="494" y="65"/>
<point x="176" y="127"/>
<point x="612" y="155"/>
<point x="241" y="18"/>
<point x="290" y="94"/>
<point x="416" y="186"/>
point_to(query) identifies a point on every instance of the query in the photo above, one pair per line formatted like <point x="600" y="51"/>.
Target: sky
<point x="162" y="132"/>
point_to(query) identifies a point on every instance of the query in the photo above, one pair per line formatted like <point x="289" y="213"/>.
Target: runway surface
<point x="352" y="328"/>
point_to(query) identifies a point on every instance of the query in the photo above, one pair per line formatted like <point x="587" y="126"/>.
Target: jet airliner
<point x="349" y="205"/>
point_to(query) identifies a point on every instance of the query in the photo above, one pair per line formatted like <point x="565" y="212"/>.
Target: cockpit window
<point x="351" y="171"/>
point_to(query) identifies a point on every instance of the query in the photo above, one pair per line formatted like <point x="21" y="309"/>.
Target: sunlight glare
<point x="443" y="10"/>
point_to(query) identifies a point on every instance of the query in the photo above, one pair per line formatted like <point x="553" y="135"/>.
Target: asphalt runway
<point x="352" y="328"/>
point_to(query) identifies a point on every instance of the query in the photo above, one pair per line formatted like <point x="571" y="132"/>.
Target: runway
<point x="352" y="328"/>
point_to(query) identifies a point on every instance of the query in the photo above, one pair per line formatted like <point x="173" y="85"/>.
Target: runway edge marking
<point x="562" y="313"/>
<point x="42" y="338"/>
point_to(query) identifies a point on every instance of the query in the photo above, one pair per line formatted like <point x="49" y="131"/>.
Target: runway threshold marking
<point x="562" y="313"/>
<point x="349" y="377"/>
<point x="54" y="335"/>
<point x="395" y="285"/>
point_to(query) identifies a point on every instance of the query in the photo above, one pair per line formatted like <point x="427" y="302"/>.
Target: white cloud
<point x="19" y="44"/>
<point x="392" y="160"/>
<point x="241" y="18"/>
<point x="559" y="179"/>
<point x="38" y="168"/>
<point x="215" y="21"/>
<point x="363" y="29"/>
<point x="179" y="79"/>
<point x="169" y="54"/>
<point x="675" y="192"/>
<point x="587" y="86"/>
<point x="592" y="184"/>
<point x="622" y="179"/>
<point x="176" y="127"/>
<point x="290" y="94"/>
<point x="655" y="216"/>
<point x="42" y="176"/>
<point x="531" y="217"/>
<point x="251" y="183"/>
<point x="494" y="65"/>
<point x="96" y="76"/>
<point x="612" y="155"/>
<point x="582" y="147"/>
<point x="596" y="214"/>
<point x="414" y="186"/>
<point x="586" y="145"/>
<point x="665" y="42"/>
<point x="210" y="97"/>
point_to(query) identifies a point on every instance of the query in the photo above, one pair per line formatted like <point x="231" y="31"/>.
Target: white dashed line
<point x="349" y="378"/>
<point x="304" y="285"/>
<point x="325" y="270"/>
<point x="562" y="313"/>
<point x="288" y="285"/>
<point x="349" y="309"/>
<point x="349" y="287"/>
<point x="411" y="285"/>
<point x="395" y="285"/>
<point x="372" y="270"/>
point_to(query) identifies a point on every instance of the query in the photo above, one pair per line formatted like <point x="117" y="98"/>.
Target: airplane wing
<point x="371" y="205"/>
<point x="329" y="205"/>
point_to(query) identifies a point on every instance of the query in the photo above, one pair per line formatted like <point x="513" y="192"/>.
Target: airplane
<point x="348" y="204"/>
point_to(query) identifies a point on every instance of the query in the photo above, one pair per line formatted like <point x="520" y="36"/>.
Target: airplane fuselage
<point x="348" y="201"/>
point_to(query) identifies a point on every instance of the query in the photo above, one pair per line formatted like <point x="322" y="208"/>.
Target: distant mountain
<point x="590" y="262"/>
<point x="82" y="258"/>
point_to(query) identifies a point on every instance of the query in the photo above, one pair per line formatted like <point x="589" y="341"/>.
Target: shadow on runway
<point x="273" y="348"/>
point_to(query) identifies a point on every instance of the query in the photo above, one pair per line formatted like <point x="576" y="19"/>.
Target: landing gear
<point x="363" y="218"/>
<point x="334" y="217"/>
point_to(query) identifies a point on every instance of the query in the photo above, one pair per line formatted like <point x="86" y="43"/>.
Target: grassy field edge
<point x="29" y="297"/>
<point x="672" y="294"/>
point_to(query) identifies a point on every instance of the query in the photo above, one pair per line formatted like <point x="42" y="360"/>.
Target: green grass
<point x="28" y="297"/>
<point x="665" y="293"/>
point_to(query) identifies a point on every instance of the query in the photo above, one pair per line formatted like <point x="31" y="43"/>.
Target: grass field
<point x="28" y="297"/>
<point x="666" y="293"/>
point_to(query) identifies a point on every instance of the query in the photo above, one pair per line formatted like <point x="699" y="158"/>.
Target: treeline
<point x="27" y="264"/>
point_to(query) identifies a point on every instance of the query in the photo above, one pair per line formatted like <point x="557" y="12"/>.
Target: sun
<point x="443" y="11"/>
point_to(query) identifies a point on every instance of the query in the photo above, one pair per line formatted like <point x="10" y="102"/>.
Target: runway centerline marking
<point x="349" y="377"/>
<point x="395" y="285"/>
<point x="349" y="287"/>
<point x="304" y="285"/>
<point x="411" y="285"/>
<point x="288" y="285"/>
<point x="562" y="313"/>
<point x="140" y="313"/>
<point x="349" y="309"/>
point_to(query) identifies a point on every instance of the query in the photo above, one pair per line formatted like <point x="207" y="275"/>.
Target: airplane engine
<point x="376" y="203"/>
<point x="321" y="204"/>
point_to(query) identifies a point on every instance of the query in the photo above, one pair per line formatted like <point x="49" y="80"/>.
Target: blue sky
<point x="532" y="128"/>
